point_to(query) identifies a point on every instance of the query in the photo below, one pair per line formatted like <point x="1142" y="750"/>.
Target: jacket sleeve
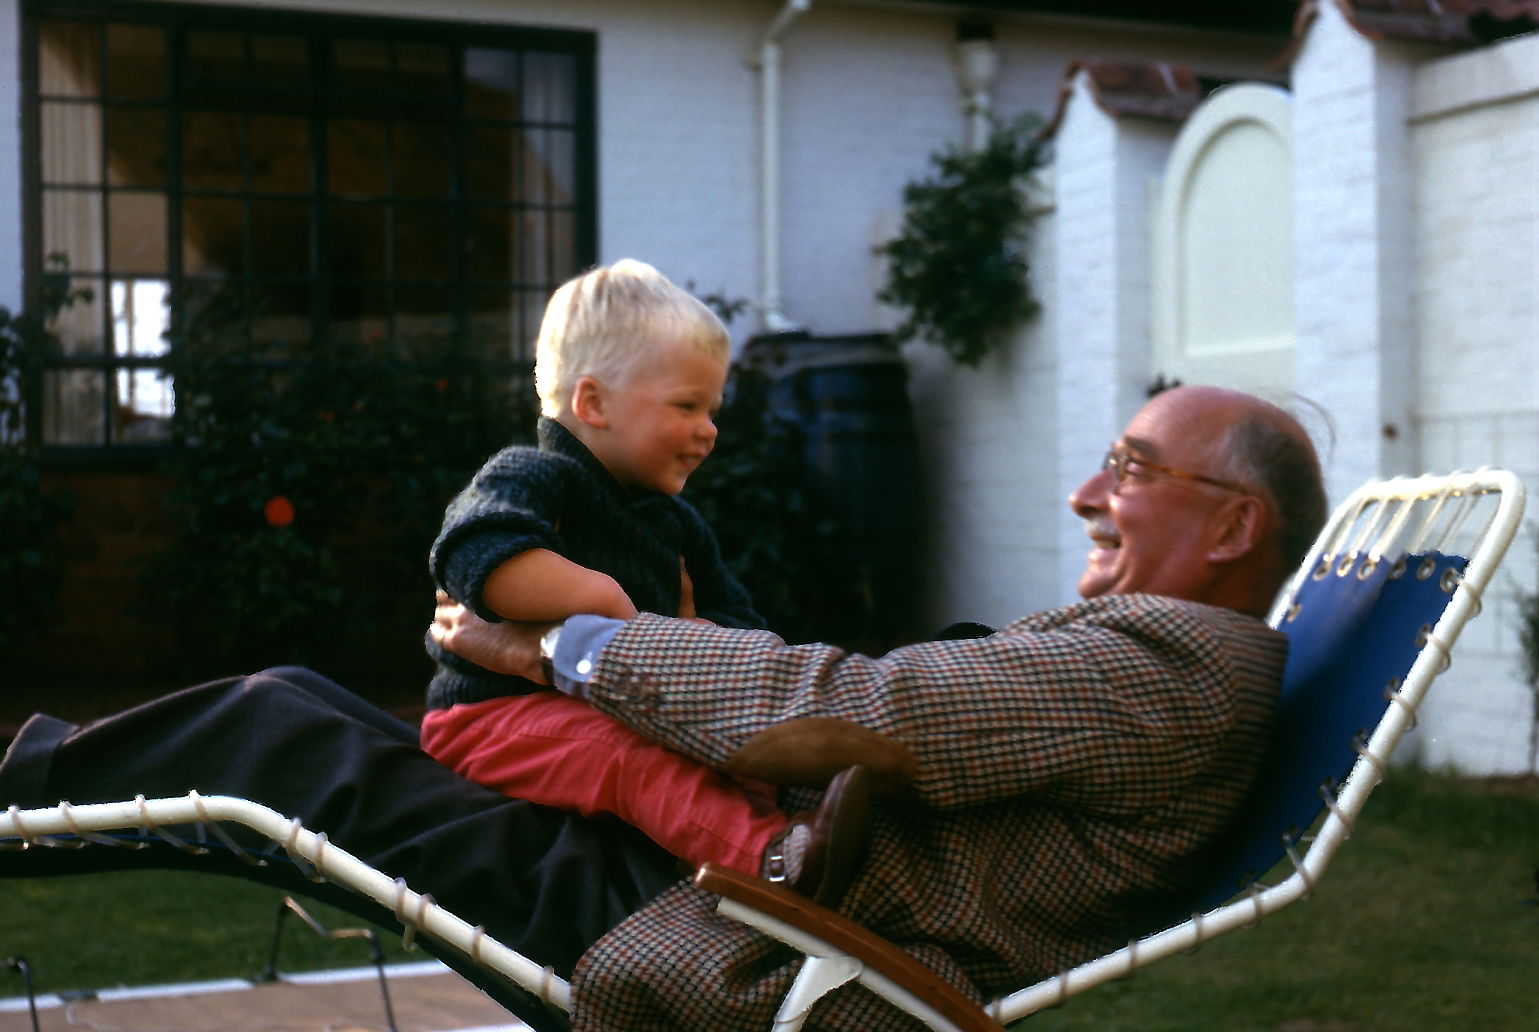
<point x="511" y="505"/>
<point x="1109" y="711"/>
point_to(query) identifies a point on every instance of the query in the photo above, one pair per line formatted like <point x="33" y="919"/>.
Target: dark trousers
<point x="546" y="883"/>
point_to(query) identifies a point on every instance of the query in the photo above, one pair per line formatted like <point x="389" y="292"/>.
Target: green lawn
<point x="156" y="927"/>
<point x="1427" y="920"/>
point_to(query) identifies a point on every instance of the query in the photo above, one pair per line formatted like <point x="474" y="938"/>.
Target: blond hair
<point x="608" y="321"/>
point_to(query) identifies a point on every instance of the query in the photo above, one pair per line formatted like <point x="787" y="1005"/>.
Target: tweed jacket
<point x="559" y="496"/>
<point x="1073" y="766"/>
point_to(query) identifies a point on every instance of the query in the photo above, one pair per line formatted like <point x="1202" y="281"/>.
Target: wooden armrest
<point x="850" y="938"/>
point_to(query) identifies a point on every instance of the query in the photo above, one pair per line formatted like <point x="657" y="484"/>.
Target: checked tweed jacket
<point x="1073" y="767"/>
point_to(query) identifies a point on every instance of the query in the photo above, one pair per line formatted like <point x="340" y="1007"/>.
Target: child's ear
<point x="588" y="402"/>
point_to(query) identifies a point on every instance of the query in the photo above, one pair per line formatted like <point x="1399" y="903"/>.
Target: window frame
<point x="318" y="28"/>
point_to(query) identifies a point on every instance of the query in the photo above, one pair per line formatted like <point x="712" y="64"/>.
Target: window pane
<point x="489" y="244"/>
<point x="548" y="246"/>
<point x="422" y="82"/>
<point x="73" y="402"/>
<point x="72" y="227"/>
<point x="213" y="236"/>
<point x="139" y="317"/>
<point x="136" y="62"/>
<point x="549" y="93"/>
<point x="69" y="55"/>
<point x="550" y="165"/>
<point x="142" y="409"/>
<point x="280" y="238"/>
<point x="136" y="232"/>
<point x="357" y="239"/>
<point x="280" y="155"/>
<point x="362" y="75"/>
<point x="281" y="63"/>
<point x="136" y="146"/>
<point x="358" y="159"/>
<point x="215" y="60"/>
<point x="422" y="159"/>
<point x="489" y="152"/>
<point x="422" y="242"/>
<point x="79" y="325"/>
<point x="71" y="146"/>
<point x="491" y="84"/>
<point x="211" y="150"/>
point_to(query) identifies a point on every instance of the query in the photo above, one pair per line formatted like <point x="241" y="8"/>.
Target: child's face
<point x="660" y="422"/>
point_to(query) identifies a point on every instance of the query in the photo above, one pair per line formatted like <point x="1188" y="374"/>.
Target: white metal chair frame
<point x="1380" y="522"/>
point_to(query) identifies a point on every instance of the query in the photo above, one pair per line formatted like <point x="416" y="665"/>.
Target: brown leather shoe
<point x="818" y="852"/>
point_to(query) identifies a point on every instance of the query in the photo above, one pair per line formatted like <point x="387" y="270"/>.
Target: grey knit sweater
<point x="559" y="496"/>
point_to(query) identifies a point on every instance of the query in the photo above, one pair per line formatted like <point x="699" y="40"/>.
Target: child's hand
<point x="687" y="597"/>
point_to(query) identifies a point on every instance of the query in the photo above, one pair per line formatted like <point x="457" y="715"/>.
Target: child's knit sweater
<point x="559" y="496"/>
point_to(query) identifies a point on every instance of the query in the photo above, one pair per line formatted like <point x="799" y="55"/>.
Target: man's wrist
<point x="548" y="642"/>
<point x="574" y="651"/>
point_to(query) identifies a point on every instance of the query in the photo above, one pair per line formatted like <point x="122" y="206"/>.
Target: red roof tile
<point x="1160" y="90"/>
<point x="1432" y="21"/>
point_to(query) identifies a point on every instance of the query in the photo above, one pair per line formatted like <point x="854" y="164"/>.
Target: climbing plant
<point x="958" y="267"/>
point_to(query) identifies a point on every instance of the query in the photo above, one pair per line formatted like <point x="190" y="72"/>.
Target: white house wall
<point x="10" y="144"/>
<point x="1352" y="259"/>
<point x="1475" y="148"/>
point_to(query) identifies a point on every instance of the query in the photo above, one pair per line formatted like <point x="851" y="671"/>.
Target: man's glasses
<point x="1118" y="460"/>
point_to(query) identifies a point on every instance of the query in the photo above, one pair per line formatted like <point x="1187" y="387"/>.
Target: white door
<point x="1223" y="246"/>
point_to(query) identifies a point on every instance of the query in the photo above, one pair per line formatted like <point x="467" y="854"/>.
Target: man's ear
<point x="1239" y="525"/>
<point x="588" y="402"/>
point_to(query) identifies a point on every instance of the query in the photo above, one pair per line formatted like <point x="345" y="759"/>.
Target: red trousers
<point x="548" y="748"/>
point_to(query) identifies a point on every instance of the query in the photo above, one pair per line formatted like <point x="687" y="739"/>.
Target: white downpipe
<point x="770" y="304"/>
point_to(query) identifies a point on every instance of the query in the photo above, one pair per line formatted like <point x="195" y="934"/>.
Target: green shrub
<point x="958" y="266"/>
<point x="309" y="482"/>
<point x="30" y="564"/>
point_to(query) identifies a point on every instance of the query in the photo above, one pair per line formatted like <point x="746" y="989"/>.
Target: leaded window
<point x="399" y="189"/>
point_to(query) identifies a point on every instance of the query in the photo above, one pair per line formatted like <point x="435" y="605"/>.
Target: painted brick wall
<point x="1352" y="271"/>
<point x="1475" y="145"/>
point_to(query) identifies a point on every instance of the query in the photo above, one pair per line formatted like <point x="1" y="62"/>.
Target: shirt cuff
<point x="577" y="651"/>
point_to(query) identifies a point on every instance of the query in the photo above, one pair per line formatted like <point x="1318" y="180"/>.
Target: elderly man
<point x="1070" y="768"/>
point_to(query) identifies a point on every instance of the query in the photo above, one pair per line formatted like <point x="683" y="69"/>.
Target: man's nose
<point x="1090" y="497"/>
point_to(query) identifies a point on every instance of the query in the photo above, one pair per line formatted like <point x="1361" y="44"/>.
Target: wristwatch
<point x="548" y="642"/>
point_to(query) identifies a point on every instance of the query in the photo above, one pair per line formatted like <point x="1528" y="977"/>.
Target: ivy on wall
<point x="958" y="266"/>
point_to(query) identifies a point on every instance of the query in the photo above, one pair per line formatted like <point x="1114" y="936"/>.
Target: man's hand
<point x="509" y="647"/>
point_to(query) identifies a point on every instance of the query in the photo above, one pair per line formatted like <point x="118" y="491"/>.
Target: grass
<point x="1426" y="921"/>
<point x="157" y="927"/>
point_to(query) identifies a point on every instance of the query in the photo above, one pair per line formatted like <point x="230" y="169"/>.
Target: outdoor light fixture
<point x="975" y="59"/>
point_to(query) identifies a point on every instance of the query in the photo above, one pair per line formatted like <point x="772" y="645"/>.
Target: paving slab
<point x="423" y="998"/>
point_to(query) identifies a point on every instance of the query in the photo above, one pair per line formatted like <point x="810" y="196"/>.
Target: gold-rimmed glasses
<point x="1118" y="459"/>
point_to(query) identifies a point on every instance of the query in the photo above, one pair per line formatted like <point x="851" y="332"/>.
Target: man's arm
<point x="1112" y="712"/>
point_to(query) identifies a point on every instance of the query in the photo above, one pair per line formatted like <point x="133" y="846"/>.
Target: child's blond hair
<point x="608" y="321"/>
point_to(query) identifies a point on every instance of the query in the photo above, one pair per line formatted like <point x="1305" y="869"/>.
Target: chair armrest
<point x="850" y="939"/>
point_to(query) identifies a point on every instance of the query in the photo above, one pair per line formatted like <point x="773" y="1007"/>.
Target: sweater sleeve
<point x="512" y="504"/>
<point x="719" y="596"/>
